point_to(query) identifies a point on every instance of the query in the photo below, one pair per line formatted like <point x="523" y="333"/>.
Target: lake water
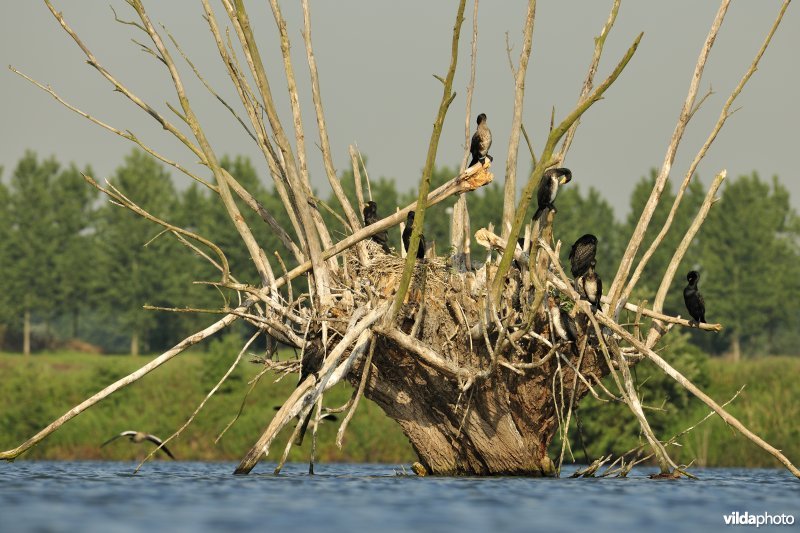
<point x="193" y="497"/>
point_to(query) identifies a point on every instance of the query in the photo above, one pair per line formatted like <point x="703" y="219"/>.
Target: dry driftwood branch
<point x="202" y="403"/>
<point x="474" y="177"/>
<point x="427" y="354"/>
<point x="545" y="161"/>
<point x="253" y="110"/>
<point x="628" y="391"/>
<point x="300" y="136"/>
<point x="323" y="132"/>
<point x="666" y="318"/>
<point x="656" y="330"/>
<point x="241" y="22"/>
<point x="459" y="225"/>
<point x="127" y="134"/>
<point x="124" y="201"/>
<point x="357" y="395"/>
<point x="209" y="87"/>
<point x="615" y="290"/>
<point x="691" y="387"/>
<point x="599" y="42"/>
<point x="723" y="117"/>
<point x="510" y="187"/>
<point x="425" y="181"/>
<point x="193" y="339"/>
<point x="306" y="393"/>
<point x="357" y="182"/>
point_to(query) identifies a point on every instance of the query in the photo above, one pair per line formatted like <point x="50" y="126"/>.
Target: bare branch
<point x="124" y="134"/>
<point x="123" y="382"/>
<point x="425" y="180"/>
<point x="656" y="329"/>
<point x="510" y="187"/>
<point x="545" y="161"/>
<point x="202" y="404"/>
<point x="688" y="385"/>
<point x="599" y="41"/>
<point x="323" y="131"/>
<point x="724" y="114"/>
<point x="307" y="392"/>
<point x="615" y="291"/>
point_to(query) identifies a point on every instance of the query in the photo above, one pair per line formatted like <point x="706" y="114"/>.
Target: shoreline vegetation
<point x="35" y="390"/>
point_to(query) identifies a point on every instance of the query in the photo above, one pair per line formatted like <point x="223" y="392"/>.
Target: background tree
<point x="33" y="243"/>
<point x="138" y="267"/>
<point x="75" y="259"/>
<point x="6" y="314"/>
<point x="749" y="270"/>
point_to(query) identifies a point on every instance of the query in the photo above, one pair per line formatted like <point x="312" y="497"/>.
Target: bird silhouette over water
<point x="591" y="286"/>
<point x="548" y="189"/>
<point x="582" y="254"/>
<point x="481" y="141"/>
<point x="693" y="299"/>
<point x="139" y="436"/>
<point x="371" y="217"/>
<point x="407" y="237"/>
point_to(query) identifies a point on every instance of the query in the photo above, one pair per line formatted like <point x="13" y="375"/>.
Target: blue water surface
<point x="196" y="497"/>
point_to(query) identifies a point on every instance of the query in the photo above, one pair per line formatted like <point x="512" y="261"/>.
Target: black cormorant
<point x="311" y="363"/>
<point x="592" y="286"/>
<point x="371" y="217"/>
<point x="563" y="325"/>
<point x="548" y="188"/>
<point x="137" y="437"/>
<point x="581" y="254"/>
<point x="694" y="300"/>
<point x="481" y="141"/>
<point x="407" y="237"/>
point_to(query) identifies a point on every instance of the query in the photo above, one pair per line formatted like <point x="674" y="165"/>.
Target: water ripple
<point x="106" y="496"/>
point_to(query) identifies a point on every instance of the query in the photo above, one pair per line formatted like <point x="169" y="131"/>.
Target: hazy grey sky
<point x="376" y="60"/>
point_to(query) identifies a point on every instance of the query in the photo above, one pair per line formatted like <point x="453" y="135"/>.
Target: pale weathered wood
<point x="510" y="185"/>
<point x="615" y="289"/>
<point x="123" y="382"/>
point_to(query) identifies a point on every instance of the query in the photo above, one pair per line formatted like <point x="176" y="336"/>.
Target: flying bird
<point x="582" y="254"/>
<point x="370" y="218"/>
<point x="548" y="189"/>
<point x="592" y="286"/>
<point x="407" y="237"/>
<point x="563" y="325"/>
<point x="137" y="437"/>
<point x="693" y="299"/>
<point x="481" y="141"/>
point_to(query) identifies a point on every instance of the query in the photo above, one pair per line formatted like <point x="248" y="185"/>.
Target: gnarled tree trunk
<point x="468" y="362"/>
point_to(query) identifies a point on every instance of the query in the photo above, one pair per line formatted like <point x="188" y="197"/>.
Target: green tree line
<point x="78" y="269"/>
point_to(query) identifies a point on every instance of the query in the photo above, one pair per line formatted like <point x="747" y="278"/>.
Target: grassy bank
<point x="768" y="406"/>
<point x="37" y="389"/>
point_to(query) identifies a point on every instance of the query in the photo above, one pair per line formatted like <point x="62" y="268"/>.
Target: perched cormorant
<point x="548" y="188"/>
<point x="694" y="300"/>
<point x="481" y="141"/>
<point x="592" y="286"/>
<point x="563" y="325"/>
<point x="407" y="237"/>
<point x="137" y="437"/>
<point x="311" y="363"/>
<point x="581" y="254"/>
<point x="371" y="217"/>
